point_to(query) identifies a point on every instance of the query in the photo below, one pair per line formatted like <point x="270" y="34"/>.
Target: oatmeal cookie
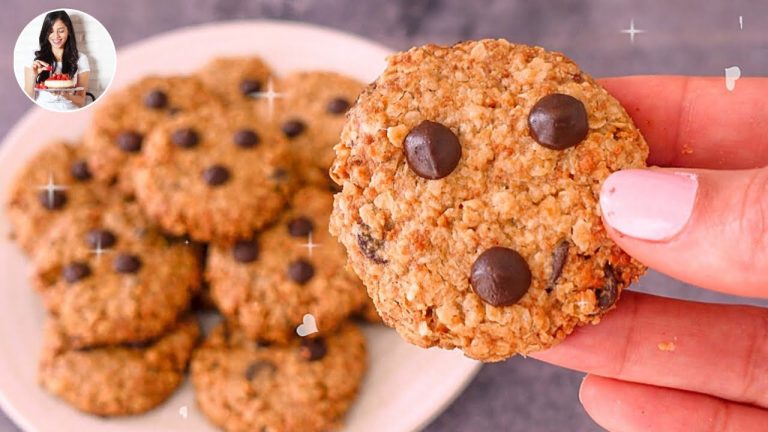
<point x="108" y="276"/>
<point x="304" y="385"/>
<point x="53" y="184"/>
<point x="215" y="174"/>
<point x="268" y="282"/>
<point x="119" y="379"/>
<point x="471" y="177"/>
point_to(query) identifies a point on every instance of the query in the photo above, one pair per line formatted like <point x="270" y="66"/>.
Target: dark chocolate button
<point x="53" y="200"/>
<point x="216" y="175"/>
<point x="300" y="271"/>
<point x="245" y="251"/>
<point x="126" y="263"/>
<point x="432" y="150"/>
<point x="293" y="128"/>
<point x="500" y="276"/>
<point x="156" y="99"/>
<point x="313" y="349"/>
<point x="100" y="238"/>
<point x="609" y="293"/>
<point x="259" y="367"/>
<point x="129" y="141"/>
<point x="75" y="271"/>
<point x="337" y="105"/>
<point x="250" y="86"/>
<point x="80" y="171"/>
<point x="246" y="138"/>
<point x="185" y="138"/>
<point x="300" y="227"/>
<point x="558" y="121"/>
<point x="559" y="257"/>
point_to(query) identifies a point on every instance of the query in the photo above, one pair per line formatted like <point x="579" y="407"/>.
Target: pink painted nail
<point x="647" y="204"/>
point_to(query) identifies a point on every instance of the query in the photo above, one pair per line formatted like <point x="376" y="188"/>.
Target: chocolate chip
<point x="53" y="200"/>
<point x="245" y="138"/>
<point x="500" y="276"/>
<point x="313" y="349"/>
<point x="156" y="99"/>
<point x="558" y="121"/>
<point x="559" y="257"/>
<point x="300" y="227"/>
<point x="279" y="174"/>
<point x="301" y="271"/>
<point x="80" y="171"/>
<point x="75" y="271"/>
<point x="250" y="86"/>
<point x="293" y="128"/>
<point x="129" y="141"/>
<point x="432" y="150"/>
<point x="257" y="367"/>
<point x="100" y="238"/>
<point x="337" y="105"/>
<point x="263" y="344"/>
<point x="185" y="138"/>
<point x="139" y="344"/>
<point x="370" y="246"/>
<point x="126" y="263"/>
<point x="609" y="293"/>
<point x="245" y="251"/>
<point x="216" y="175"/>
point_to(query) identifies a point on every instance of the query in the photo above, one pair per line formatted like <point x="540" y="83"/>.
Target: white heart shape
<point x="184" y="411"/>
<point x="308" y="326"/>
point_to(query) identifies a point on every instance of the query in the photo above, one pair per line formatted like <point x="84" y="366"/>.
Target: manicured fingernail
<point x="647" y="204"/>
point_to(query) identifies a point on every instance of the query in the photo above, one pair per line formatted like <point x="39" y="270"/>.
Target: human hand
<point x="670" y="365"/>
<point x="38" y="66"/>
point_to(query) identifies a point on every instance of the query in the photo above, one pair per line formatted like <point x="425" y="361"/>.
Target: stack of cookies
<point x="208" y="189"/>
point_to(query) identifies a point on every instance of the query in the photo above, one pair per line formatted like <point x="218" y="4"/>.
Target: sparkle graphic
<point x="184" y="411"/>
<point x="99" y="251"/>
<point x="310" y="245"/>
<point x="51" y="187"/>
<point x="270" y="95"/>
<point x="632" y="31"/>
<point x="741" y="22"/>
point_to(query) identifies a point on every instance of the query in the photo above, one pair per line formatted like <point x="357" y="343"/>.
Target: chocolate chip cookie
<point x="469" y="207"/>
<point x="311" y="113"/>
<point x="214" y="174"/>
<point x="54" y="183"/>
<point x="120" y="379"/>
<point x="121" y="122"/>
<point x="236" y="80"/>
<point x="304" y="385"/>
<point x="109" y="276"/>
<point x="268" y="282"/>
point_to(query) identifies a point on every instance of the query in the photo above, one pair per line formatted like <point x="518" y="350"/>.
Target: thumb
<point x="707" y="228"/>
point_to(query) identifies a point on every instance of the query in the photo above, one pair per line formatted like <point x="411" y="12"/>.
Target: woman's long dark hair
<point x="70" y="55"/>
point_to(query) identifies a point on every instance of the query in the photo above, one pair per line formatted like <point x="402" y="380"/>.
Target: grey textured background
<point x="681" y="37"/>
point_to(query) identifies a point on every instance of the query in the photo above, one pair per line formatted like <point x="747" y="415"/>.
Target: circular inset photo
<point x="64" y="60"/>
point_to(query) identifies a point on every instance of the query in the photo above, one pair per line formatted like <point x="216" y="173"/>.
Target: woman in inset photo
<point x="57" y="75"/>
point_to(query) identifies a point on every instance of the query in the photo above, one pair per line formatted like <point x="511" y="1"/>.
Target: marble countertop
<point x="681" y="37"/>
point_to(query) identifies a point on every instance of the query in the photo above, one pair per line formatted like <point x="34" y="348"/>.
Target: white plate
<point x="405" y="386"/>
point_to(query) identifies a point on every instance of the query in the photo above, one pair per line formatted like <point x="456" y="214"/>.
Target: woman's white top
<point x="57" y="102"/>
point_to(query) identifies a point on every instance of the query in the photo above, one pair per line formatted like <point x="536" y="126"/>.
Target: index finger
<point x="697" y="122"/>
<point x="714" y="349"/>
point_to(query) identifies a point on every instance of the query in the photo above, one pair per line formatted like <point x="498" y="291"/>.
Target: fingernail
<point x="647" y="204"/>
